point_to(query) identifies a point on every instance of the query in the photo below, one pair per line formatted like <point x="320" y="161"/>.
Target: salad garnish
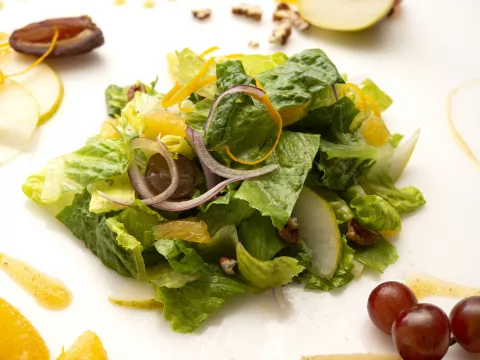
<point x="251" y="173"/>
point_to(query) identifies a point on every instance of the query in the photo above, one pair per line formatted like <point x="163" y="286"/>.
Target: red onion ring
<point x="210" y="162"/>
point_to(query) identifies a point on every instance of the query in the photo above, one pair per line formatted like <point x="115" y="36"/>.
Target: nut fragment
<point x="253" y="44"/>
<point x="201" y="14"/>
<point x="283" y="6"/>
<point x="77" y="35"/>
<point x="228" y="265"/>
<point x="281" y="15"/>
<point x="133" y="89"/>
<point x="289" y="233"/>
<point x="361" y="236"/>
<point x="281" y="33"/>
<point x="286" y="13"/>
<point x="250" y="11"/>
<point x="299" y="22"/>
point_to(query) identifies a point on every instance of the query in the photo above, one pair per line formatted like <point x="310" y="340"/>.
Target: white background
<point x="418" y="56"/>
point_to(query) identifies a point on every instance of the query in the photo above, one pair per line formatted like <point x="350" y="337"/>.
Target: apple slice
<point x="318" y="228"/>
<point x="18" y="119"/>
<point x="344" y="15"/>
<point x="41" y="81"/>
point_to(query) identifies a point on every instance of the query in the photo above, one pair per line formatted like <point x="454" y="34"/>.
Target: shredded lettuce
<point x="116" y="98"/>
<point x="371" y="89"/>
<point x="256" y="64"/>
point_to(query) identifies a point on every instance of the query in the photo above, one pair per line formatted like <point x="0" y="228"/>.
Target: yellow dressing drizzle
<point x="119" y="2"/>
<point x="426" y="285"/>
<point x="149" y="4"/>
<point x="149" y="304"/>
<point x="454" y="130"/>
<point x="48" y="291"/>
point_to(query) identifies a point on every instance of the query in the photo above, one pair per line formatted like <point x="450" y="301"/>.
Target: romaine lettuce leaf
<point x="265" y="274"/>
<point x="372" y="211"/>
<point x="339" y="166"/>
<point x="225" y="210"/>
<point x="99" y="159"/>
<point x="188" y="307"/>
<point x="183" y="259"/>
<point x="109" y="242"/>
<point x="342" y="211"/>
<point x="256" y="64"/>
<point x="164" y="276"/>
<point x="339" y="115"/>
<point x="377" y="257"/>
<point x="343" y="275"/>
<point x="231" y="73"/>
<point x="371" y="89"/>
<point x="224" y="243"/>
<point x="119" y="187"/>
<point x="395" y="140"/>
<point x="294" y="86"/>
<point x="299" y="251"/>
<point x="259" y="237"/>
<point x="275" y="194"/>
<point x="116" y="98"/>
<point x="196" y="118"/>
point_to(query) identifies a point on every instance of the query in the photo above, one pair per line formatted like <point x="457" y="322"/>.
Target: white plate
<point x="417" y="57"/>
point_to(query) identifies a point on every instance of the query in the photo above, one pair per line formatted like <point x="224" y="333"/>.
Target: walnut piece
<point x="201" y="14"/>
<point x="133" y="89"/>
<point x="281" y="33"/>
<point x="299" y="22"/>
<point x="253" y="44"/>
<point x="361" y="236"/>
<point x="251" y="11"/>
<point x="228" y="265"/>
<point x="289" y="233"/>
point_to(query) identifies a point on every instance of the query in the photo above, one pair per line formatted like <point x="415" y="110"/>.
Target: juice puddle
<point x="48" y="291"/>
<point x="425" y="285"/>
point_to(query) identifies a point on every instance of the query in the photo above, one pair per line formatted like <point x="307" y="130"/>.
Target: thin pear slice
<point x="402" y="154"/>
<point x="318" y="228"/>
<point x="18" y="119"/>
<point x="344" y="15"/>
<point x="41" y="81"/>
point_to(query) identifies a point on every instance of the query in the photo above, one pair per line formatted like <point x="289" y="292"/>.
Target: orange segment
<point x="186" y="230"/>
<point x="374" y="131"/>
<point x="88" y="346"/>
<point x="19" y="340"/>
<point x="165" y="123"/>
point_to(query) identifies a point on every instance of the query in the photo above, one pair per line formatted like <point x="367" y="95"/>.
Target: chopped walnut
<point x="201" y="14"/>
<point x="289" y="233"/>
<point x="281" y="33"/>
<point x="299" y="22"/>
<point x="281" y="15"/>
<point x="228" y="265"/>
<point x="251" y="11"/>
<point x="361" y="236"/>
<point x="254" y="44"/>
<point x="133" y="89"/>
<point x="283" y="6"/>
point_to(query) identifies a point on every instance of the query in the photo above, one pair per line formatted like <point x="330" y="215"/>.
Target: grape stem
<point x="453" y="341"/>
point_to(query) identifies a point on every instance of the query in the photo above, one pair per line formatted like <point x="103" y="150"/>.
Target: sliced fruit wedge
<point x="41" y="81"/>
<point x="18" y="119"/>
<point x="402" y="154"/>
<point x="319" y="229"/>
<point x="344" y="15"/>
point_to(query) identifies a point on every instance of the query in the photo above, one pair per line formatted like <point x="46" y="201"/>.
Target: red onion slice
<point x="139" y="182"/>
<point x="210" y="162"/>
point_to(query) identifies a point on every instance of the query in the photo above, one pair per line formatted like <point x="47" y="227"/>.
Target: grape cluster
<point x="423" y="331"/>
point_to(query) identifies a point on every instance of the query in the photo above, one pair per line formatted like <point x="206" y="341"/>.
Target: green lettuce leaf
<point x="187" y="66"/>
<point x="372" y="211"/>
<point x="224" y="243"/>
<point x="294" y="86"/>
<point x="99" y="159"/>
<point x="395" y="140"/>
<point x="371" y="89"/>
<point x="226" y="210"/>
<point x="119" y="188"/>
<point x="196" y="118"/>
<point x="256" y="64"/>
<point x="265" y="274"/>
<point x="377" y="257"/>
<point x="116" y="98"/>
<point x="299" y="251"/>
<point x="108" y="241"/>
<point x="339" y="115"/>
<point x="343" y="275"/>
<point x="183" y="259"/>
<point x="231" y="73"/>
<point x="188" y="307"/>
<point x="259" y="237"/>
<point x="275" y="194"/>
<point x="342" y="211"/>
<point x="164" y="276"/>
<point x="339" y="166"/>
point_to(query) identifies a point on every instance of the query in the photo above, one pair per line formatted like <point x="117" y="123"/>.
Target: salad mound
<point x="252" y="172"/>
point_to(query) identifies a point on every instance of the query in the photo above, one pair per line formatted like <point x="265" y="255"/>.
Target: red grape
<point x="421" y="332"/>
<point x="386" y="301"/>
<point x="465" y="320"/>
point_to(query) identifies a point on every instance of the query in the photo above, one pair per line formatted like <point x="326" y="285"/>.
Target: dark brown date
<point x="77" y="35"/>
